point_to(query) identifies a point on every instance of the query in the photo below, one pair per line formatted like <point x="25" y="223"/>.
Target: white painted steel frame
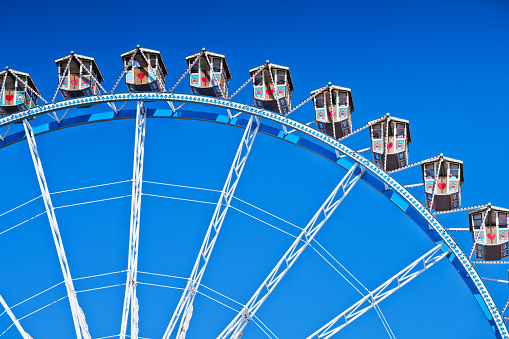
<point x="78" y="316"/>
<point x="461" y="261"/>
<point x="380" y="293"/>
<point x="14" y="320"/>
<point x="185" y="304"/>
<point x="321" y="216"/>
<point x="130" y="299"/>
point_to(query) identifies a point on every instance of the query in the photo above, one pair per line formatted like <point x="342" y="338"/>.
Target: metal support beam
<point x="380" y="293"/>
<point x="130" y="299"/>
<point x="80" y="324"/>
<point x="185" y="304"/>
<point x="14" y="320"/>
<point x="238" y="324"/>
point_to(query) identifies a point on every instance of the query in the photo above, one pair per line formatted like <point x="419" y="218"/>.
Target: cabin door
<point x="10" y="86"/>
<point x="140" y="75"/>
<point x="269" y="86"/>
<point x="390" y="139"/>
<point x="205" y="73"/>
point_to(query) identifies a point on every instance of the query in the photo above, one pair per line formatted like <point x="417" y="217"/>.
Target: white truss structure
<point x="14" y="320"/>
<point x="185" y="304"/>
<point x="238" y="324"/>
<point x="380" y="293"/>
<point x="130" y="299"/>
<point x="80" y="325"/>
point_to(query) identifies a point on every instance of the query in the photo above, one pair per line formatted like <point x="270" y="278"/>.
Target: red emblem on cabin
<point x="141" y="76"/>
<point x="205" y="79"/>
<point x="9" y="97"/>
<point x="269" y="92"/>
<point x="75" y="82"/>
<point x="441" y="186"/>
<point x="389" y="145"/>
<point x="491" y="236"/>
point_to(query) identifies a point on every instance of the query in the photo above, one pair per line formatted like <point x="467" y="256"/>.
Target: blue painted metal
<point x="374" y="176"/>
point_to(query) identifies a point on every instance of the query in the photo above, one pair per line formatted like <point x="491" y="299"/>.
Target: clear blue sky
<point x="442" y="65"/>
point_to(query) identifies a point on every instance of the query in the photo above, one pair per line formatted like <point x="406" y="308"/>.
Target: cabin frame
<point x="272" y="88"/>
<point x="443" y="191"/>
<point x="333" y="110"/>
<point x="78" y="76"/>
<point x="394" y="146"/>
<point x="209" y="75"/>
<point x="143" y="76"/>
<point x="14" y="96"/>
<point x="490" y="239"/>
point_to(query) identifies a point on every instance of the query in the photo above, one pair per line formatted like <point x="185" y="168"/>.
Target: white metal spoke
<point x="380" y="293"/>
<point x="14" y="320"/>
<point x="80" y="324"/>
<point x="238" y="324"/>
<point x="185" y="304"/>
<point x="130" y="300"/>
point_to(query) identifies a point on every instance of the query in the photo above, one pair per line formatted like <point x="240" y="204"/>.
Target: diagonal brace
<point x="238" y="324"/>
<point x="130" y="300"/>
<point x="185" y="304"/>
<point x="380" y="293"/>
<point x="80" y="324"/>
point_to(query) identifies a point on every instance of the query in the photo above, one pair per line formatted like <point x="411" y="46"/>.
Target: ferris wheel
<point x="80" y="84"/>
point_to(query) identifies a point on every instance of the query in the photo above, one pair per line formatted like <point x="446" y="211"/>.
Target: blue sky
<point x="443" y="66"/>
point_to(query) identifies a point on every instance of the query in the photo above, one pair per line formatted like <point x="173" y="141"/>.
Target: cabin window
<point x="61" y="69"/>
<point x="492" y="220"/>
<point x="454" y="171"/>
<point x="86" y="66"/>
<point x="258" y="80"/>
<point x="20" y="87"/>
<point x="195" y="68"/>
<point x="400" y="130"/>
<point x="477" y="220"/>
<point x="377" y="132"/>
<point x="443" y="170"/>
<point x="429" y="171"/>
<point x="502" y="220"/>
<point x="153" y="60"/>
<point x="320" y="101"/>
<point x="342" y="98"/>
<point x="280" y="77"/>
<point x="216" y="64"/>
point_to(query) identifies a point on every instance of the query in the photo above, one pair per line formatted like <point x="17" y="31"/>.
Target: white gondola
<point x="146" y="72"/>
<point x="209" y="75"/>
<point x="490" y="238"/>
<point x="333" y="110"/>
<point x="15" y="96"/>
<point x="445" y="193"/>
<point x="394" y="145"/>
<point x="272" y="89"/>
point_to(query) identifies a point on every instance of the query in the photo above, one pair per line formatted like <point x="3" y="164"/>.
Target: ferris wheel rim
<point x="396" y="192"/>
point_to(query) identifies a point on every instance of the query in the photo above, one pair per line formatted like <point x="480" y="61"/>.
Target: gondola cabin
<point x="272" y="88"/>
<point x="390" y="136"/>
<point x="146" y="72"/>
<point x="209" y="75"/>
<point x="78" y="76"/>
<point x="444" y="188"/>
<point x="14" y="94"/>
<point x="333" y="110"/>
<point x="490" y="238"/>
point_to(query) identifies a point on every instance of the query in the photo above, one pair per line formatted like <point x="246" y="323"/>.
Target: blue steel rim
<point x="374" y="176"/>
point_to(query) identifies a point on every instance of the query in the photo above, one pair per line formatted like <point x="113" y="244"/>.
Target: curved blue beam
<point x="374" y="176"/>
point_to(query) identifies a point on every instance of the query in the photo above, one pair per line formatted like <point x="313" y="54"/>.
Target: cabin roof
<point x="163" y="66"/>
<point x="195" y="55"/>
<point x="339" y="88"/>
<point x="290" y="82"/>
<point x="31" y="83"/>
<point x="493" y="208"/>
<point x="437" y="158"/>
<point x="397" y="120"/>
<point x="100" y="77"/>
